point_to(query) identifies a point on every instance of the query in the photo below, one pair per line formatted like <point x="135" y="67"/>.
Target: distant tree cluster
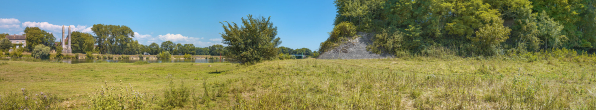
<point x="470" y="27"/>
<point x="109" y="39"/>
<point x="300" y="51"/>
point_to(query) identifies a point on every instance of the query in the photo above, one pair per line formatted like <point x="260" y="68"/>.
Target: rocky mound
<point x="354" y="49"/>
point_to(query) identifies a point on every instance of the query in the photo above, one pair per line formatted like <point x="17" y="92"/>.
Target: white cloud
<point x="9" y="21"/>
<point x="216" y="39"/>
<point x="57" y="29"/>
<point x="9" y="26"/>
<point x="44" y="26"/>
<point x="141" y="36"/>
<point x="175" y="37"/>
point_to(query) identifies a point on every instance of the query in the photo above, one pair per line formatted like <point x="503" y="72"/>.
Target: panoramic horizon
<point x="301" y="24"/>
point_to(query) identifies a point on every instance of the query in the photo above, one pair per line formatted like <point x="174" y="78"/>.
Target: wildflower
<point x="26" y="97"/>
<point x="41" y="93"/>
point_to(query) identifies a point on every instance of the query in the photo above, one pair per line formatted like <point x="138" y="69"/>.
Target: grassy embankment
<point x="410" y="82"/>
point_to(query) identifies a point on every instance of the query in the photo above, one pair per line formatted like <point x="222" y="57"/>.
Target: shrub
<point x="175" y="97"/>
<point x="58" y="52"/>
<point x="340" y="32"/>
<point x="5" y="44"/>
<point x="187" y="56"/>
<point x="285" y="56"/>
<point x="17" y="53"/>
<point x="140" y="56"/>
<point x="41" y="52"/>
<point x="76" y="56"/>
<point x="117" y="97"/>
<point x="89" y="55"/>
<point x="164" y="55"/>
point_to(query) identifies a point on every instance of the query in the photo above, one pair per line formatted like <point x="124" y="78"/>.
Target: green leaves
<point x="82" y="42"/>
<point x="113" y="39"/>
<point x="490" y="36"/>
<point x="252" y="42"/>
<point x="41" y="51"/>
<point x="37" y="36"/>
<point x="340" y="33"/>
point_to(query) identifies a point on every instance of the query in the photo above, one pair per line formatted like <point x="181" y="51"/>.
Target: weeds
<point x="119" y="98"/>
<point x="175" y="97"/>
<point x="27" y="100"/>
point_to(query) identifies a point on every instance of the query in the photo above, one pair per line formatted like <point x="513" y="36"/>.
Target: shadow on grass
<point x="216" y="72"/>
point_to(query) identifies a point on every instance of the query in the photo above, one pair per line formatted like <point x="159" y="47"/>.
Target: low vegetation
<point x="41" y="52"/>
<point x="556" y="79"/>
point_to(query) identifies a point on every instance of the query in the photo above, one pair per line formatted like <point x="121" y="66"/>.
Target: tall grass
<point x="28" y="100"/>
<point x="558" y="79"/>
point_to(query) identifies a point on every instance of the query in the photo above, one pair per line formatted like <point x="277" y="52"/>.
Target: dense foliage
<point x="253" y="42"/>
<point x="300" y="51"/>
<point x="341" y="32"/>
<point x="82" y="42"/>
<point x="164" y="55"/>
<point x="41" y="51"/>
<point x="113" y="39"/>
<point x="36" y="36"/>
<point x="5" y="44"/>
<point x="469" y="27"/>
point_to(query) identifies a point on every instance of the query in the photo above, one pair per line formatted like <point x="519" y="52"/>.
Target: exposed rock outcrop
<point x="354" y="49"/>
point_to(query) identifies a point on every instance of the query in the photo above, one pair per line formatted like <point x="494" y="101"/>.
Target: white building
<point x="17" y="39"/>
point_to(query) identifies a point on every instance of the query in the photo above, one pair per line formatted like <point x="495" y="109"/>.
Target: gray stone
<point x="354" y="49"/>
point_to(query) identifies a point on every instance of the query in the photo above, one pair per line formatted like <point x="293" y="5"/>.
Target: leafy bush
<point x="187" y="56"/>
<point x="89" y="55"/>
<point x="41" y="52"/>
<point x="76" y="56"/>
<point x="285" y="56"/>
<point x="253" y="42"/>
<point x="17" y="53"/>
<point x="164" y="55"/>
<point x="59" y="52"/>
<point x="175" y="97"/>
<point x="340" y="32"/>
<point x="5" y="44"/>
<point x="118" y="97"/>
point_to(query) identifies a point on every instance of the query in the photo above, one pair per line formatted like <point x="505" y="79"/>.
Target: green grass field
<point x="402" y="83"/>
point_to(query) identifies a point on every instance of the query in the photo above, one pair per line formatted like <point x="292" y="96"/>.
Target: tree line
<point x="109" y="39"/>
<point x="469" y="27"/>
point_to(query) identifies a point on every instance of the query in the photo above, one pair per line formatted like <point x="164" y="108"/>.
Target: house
<point x="17" y="39"/>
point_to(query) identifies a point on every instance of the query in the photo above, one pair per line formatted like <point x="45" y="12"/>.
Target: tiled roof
<point x="16" y="37"/>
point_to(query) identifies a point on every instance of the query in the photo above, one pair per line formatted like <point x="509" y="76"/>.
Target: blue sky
<point x="300" y="23"/>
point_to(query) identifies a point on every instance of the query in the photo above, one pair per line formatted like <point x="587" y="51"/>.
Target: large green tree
<point x="5" y="44"/>
<point x="37" y="36"/>
<point x="112" y="39"/>
<point x="168" y="46"/>
<point x="189" y="49"/>
<point x="252" y="42"/>
<point x="202" y="50"/>
<point x="82" y="42"/>
<point x="216" y="49"/>
<point x="154" y="47"/>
